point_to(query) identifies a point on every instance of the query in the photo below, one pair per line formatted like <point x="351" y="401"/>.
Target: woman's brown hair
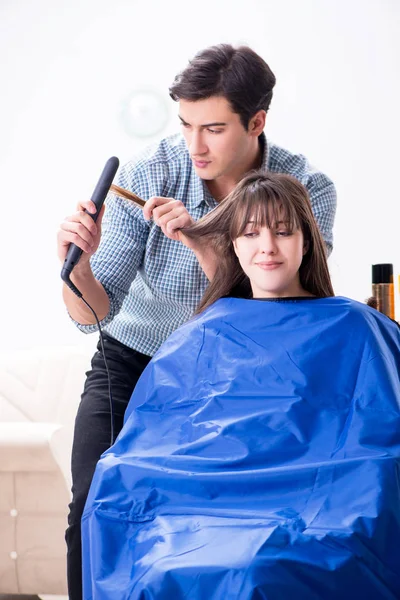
<point x="264" y="198"/>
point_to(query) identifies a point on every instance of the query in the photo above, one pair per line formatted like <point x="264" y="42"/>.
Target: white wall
<point x="67" y="67"/>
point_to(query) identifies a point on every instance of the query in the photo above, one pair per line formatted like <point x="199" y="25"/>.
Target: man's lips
<point x="200" y="164"/>
<point x="269" y="265"/>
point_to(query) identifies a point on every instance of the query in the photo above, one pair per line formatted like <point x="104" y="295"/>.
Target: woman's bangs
<point x="262" y="210"/>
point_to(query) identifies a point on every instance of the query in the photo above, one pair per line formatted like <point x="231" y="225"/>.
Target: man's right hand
<point x="80" y="229"/>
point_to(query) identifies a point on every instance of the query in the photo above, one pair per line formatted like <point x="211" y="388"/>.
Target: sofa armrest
<point x="27" y="446"/>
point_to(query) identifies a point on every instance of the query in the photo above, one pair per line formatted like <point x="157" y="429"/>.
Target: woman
<point x="267" y="215"/>
<point x="260" y="449"/>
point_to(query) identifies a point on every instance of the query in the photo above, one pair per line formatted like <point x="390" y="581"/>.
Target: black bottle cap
<point x="382" y="273"/>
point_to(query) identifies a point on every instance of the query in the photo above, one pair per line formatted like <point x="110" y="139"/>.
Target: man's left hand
<point x="171" y="215"/>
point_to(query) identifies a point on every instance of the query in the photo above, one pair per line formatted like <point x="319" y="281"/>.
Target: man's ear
<point x="257" y="123"/>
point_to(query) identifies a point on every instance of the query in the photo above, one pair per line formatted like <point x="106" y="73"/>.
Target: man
<point x="142" y="281"/>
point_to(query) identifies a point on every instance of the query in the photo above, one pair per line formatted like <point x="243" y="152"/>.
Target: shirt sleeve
<point x="122" y="246"/>
<point x="320" y="188"/>
<point x="323" y="201"/>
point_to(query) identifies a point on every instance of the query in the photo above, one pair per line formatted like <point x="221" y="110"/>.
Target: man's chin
<point x="205" y="174"/>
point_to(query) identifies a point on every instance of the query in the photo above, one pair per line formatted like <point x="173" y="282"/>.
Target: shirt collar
<point x="265" y="151"/>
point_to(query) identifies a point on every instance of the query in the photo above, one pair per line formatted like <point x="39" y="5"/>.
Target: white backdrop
<point x="67" y="68"/>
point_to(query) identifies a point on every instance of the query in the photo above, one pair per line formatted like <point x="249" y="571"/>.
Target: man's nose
<point x="197" y="145"/>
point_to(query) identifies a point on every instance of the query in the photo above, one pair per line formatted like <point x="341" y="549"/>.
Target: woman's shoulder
<point x="241" y="313"/>
<point x="363" y="313"/>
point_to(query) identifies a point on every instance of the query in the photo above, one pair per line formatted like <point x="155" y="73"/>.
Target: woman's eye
<point x="250" y="234"/>
<point x="283" y="233"/>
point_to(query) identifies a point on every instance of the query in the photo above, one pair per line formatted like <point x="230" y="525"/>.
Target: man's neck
<point x="222" y="186"/>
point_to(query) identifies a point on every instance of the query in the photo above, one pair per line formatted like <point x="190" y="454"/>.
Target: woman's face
<point x="271" y="259"/>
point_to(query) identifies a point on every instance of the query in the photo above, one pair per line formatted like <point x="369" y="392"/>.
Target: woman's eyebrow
<point x="277" y="222"/>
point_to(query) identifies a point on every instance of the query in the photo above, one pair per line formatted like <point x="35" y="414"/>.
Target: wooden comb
<point x="119" y="191"/>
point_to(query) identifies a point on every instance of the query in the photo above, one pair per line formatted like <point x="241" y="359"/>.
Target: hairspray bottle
<point x="383" y="288"/>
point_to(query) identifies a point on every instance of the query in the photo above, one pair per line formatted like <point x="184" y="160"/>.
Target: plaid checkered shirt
<point x="154" y="284"/>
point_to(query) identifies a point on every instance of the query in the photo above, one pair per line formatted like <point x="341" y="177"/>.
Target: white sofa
<point x="40" y="390"/>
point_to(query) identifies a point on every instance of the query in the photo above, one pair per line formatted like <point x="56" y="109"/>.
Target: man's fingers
<point x="153" y="203"/>
<point x="172" y="228"/>
<point x="76" y="233"/>
<point x="83" y="218"/>
<point x="81" y="230"/>
<point x="169" y="215"/>
<point x="87" y="205"/>
<point x="65" y="238"/>
<point x="179" y="222"/>
<point x="173" y="207"/>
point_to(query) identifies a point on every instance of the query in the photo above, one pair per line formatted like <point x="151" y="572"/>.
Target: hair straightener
<point x="103" y="187"/>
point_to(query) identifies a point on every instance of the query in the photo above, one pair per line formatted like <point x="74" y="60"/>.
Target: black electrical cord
<point x="79" y="294"/>
<point x="108" y="372"/>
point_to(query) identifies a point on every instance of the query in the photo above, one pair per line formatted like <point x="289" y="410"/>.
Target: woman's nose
<point x="267" y="242"/>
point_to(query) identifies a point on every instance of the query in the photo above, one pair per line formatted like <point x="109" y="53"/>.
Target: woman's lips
<point x="268" y="266"/>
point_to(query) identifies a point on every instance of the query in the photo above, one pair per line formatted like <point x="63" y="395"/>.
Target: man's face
<point x="217" y="142"/>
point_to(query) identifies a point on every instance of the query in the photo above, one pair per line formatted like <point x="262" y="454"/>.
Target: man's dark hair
<point x="237" y="74"/>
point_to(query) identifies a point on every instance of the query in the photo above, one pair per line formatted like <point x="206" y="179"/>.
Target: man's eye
<point x="216" y="131"/>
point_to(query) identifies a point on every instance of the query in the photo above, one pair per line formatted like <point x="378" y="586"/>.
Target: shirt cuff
<point x="93" y="328"/>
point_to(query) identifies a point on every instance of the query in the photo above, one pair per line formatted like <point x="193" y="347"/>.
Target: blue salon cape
<point x="259" y="460"/>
